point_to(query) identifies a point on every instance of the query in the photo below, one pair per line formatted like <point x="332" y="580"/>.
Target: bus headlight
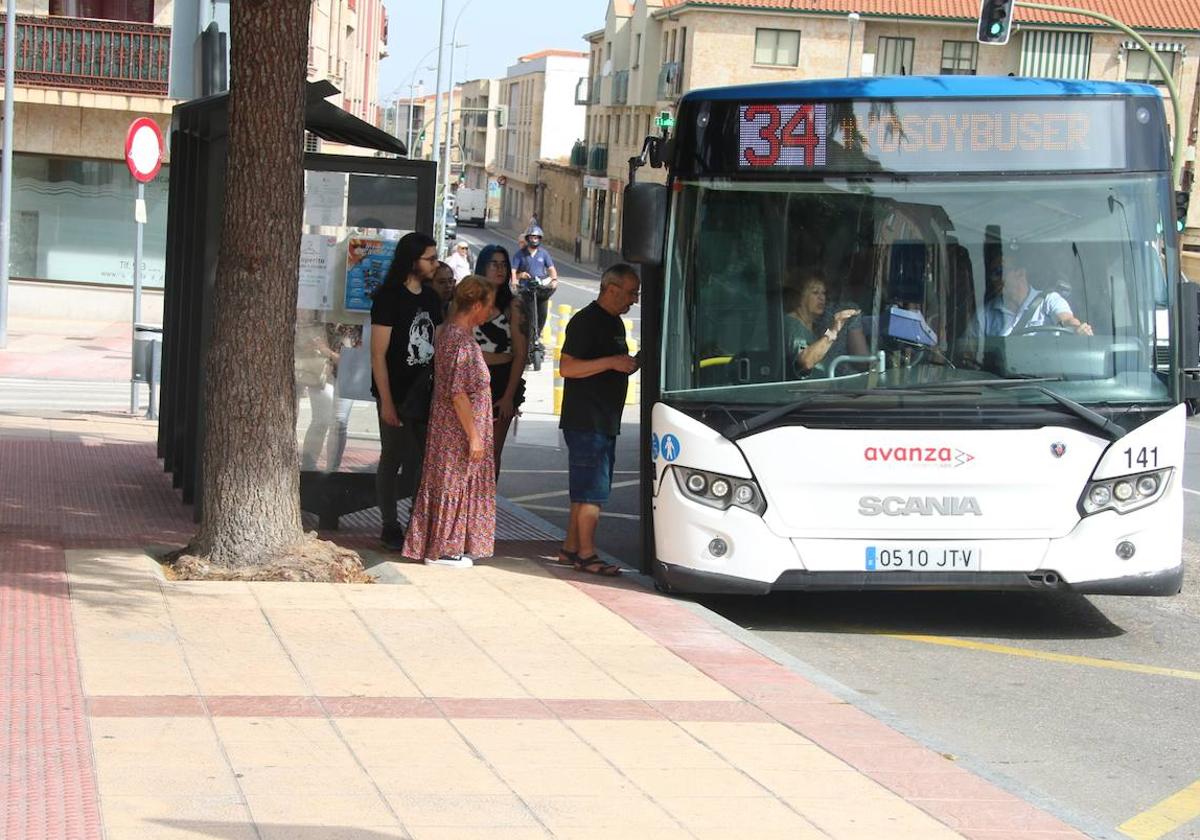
<point x="1129" y="492"/>
<point x="720" y="491"/>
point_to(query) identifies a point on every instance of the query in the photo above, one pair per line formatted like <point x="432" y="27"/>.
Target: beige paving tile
<point x="385" y="597"/>
<point x="695" y="781"/>
<point x="235" y="652"/>
<point x="576" y="781"/>
<point x="272" y="831"/>
<point x="453" y="809"/>
<point x="331" y="811"/>
<point x="648" y="744"/>
<point x="159" y="758"/>
<point x="174" y="829"/>
<point x="506" y="744"/>
<point x="439" y="657"/>
<point x="464" y="776"/>
<point x="552" y="669"/>
<point x="209" y="595"/>
<point x="824" y="784"/>
<point x="749" y="814"/>
<point x="149" y="809"/>
<point x="145" y="676"/>
<point x="267" y="779"/>
<point x="856" y="819"/>
<point x="292" y="595"/>
<point x="337" y="655"/>
<point x="654" y="673"/>
<point x="458" y="832"/>
<point x="381" y="743"/>
<point x="616" y="813"/>
<point x="295" y="743"/>
<point x="165" y="778"/>
<point x="765" y="746"/>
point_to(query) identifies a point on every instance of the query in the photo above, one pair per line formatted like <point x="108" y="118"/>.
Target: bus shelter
<point x="356" y="208"/>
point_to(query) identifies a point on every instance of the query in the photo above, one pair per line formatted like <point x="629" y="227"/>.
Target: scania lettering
<point x="919" y="506"/>
<point x="903" y="332"/>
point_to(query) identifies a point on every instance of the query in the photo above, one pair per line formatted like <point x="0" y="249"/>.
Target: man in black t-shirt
<point x="404" y="316"/>
<point x="595" y="368"/>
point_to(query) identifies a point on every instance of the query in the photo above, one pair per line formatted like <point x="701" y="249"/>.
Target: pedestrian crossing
<point x="20" y="396"/>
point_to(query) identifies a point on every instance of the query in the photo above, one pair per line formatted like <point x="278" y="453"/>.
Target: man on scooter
<point x="534" y="272"/>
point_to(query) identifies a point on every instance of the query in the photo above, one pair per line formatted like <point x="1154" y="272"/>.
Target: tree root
<point x="311" y="561"/>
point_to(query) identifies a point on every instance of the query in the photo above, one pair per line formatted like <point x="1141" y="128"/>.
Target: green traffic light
<point x="997" y="28"/>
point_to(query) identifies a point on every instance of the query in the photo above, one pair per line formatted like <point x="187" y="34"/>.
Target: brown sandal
<point x="595" y="566"/>
<point x="566" y="558"/>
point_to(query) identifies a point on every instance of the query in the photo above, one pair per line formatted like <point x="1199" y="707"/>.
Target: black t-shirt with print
<point x="594" y="403"/>
<point x="412" y="318"/>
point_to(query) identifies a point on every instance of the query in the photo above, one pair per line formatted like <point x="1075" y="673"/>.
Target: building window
<point x="1139" y="67"/>
<point x="1051" y="54"/>
<point x="777" y="47"/>
<point x="959" y="58"/>
<point x="140" y="11"/>
<point x="637" y="50"/>
<point x="894" y="57"/>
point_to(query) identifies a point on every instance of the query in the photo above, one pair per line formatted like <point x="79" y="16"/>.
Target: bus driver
<point x="1015" y="306"/>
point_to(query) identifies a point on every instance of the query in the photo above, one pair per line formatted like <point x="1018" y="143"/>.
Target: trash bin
<point x="147" y="353"/>
<point x="147" y="364"/>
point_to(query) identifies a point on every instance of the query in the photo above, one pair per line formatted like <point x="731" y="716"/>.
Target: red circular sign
<point x="144" y="149"/>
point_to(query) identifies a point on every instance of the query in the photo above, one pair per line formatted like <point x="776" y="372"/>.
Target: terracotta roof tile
<point x="547" y="53"/>
<point x="1140" y="14"/>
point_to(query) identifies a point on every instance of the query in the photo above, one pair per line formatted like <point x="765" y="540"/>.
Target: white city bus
<point x="960" y="431"/>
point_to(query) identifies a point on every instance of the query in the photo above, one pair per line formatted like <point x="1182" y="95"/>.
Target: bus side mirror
<point x="1189" y="319"/>
<point x="644" y="223"/>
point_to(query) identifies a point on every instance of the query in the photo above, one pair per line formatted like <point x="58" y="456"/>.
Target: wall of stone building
<point x="85" y="131"/>
<point x="562" y="190"/>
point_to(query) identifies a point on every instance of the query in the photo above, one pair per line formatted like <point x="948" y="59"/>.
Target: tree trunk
<point x="251" y="482"/>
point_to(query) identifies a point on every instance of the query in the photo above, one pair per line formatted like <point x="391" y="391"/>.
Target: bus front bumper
<point x="756" y="560"/>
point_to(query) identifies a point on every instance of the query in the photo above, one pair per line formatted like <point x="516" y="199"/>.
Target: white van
<point x="471" y="206"/>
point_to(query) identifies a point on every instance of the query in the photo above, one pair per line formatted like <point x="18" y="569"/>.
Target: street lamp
<point x="439" y="219"/>
<point x="454" y="47"/>
<point x="851" y="19"/>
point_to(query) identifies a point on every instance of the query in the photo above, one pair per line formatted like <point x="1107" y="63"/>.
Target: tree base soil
<point x="312" y="561"/>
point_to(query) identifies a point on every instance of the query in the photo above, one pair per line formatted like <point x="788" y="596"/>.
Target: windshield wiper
<point x="741" y="428"/>
<point x="1095" y="418"/>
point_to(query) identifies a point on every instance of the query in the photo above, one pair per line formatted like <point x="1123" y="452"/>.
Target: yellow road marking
<point x="1065" y="658"/>
<point x="1174" y="811"/>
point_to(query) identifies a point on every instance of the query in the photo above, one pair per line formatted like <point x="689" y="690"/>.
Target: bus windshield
<point x="776" y="289"/>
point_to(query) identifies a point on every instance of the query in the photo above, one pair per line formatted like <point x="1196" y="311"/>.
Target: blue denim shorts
<point x="590" y="460"/>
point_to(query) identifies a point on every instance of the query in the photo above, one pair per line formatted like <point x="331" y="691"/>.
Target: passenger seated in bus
<point x="1014" y="306"/>
<point x="813" y="340"/>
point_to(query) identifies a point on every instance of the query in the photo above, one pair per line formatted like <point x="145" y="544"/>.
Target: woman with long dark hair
<point x="504" y="344"/>
<point x="404" y="316"/>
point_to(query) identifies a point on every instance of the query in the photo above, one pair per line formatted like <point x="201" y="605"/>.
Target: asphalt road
<point x="1089" y="706"/>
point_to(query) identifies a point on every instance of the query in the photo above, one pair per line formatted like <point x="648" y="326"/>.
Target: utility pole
<point x="852" y="20"/>
<point x="439" y="212"/>
<point x="10" y="70"/>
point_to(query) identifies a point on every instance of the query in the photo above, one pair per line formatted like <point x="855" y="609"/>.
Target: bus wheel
<point x="660" y="580"/>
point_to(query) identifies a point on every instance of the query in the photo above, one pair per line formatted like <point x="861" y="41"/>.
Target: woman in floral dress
<point x="454" y="514"/>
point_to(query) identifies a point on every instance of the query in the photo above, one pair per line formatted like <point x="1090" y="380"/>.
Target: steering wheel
<point x="1053" y="329"/>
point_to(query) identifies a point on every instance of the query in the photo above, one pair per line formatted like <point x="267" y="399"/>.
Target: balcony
<point x="583" y="91"/>
<point x="579" y="155"/>
<point x="620" y="87"/>
<point x="93" y="55"/>
<point x="595" y="85"/>
<point x="669" y="82"/>
<point x="598" y="160"/>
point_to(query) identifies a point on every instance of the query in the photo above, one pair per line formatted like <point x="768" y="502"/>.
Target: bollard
<point x="632" y="392"/>
<point x="565" y="311"/>
<point x="558" y="382"/>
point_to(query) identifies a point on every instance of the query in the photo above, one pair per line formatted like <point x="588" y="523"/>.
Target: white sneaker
<point x="457" y="561"/>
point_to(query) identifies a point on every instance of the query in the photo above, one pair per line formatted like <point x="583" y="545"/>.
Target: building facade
<point x="478" y="131"/>
<point x="73" y="228"/>
<point x="541" y="122"/>
<point x="412" y="121"/>
<point x="653" y="51"/>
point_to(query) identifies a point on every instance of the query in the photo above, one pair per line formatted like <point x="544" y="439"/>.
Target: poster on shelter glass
<point x="367" y="261"/>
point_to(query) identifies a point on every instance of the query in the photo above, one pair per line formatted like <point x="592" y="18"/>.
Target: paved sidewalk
<point x="513" y="700"/>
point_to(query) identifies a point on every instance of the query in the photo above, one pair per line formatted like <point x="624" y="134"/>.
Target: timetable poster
<point x="367" y="261"/>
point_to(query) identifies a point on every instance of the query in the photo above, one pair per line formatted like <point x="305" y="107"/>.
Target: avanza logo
<point x="937" y="456"/>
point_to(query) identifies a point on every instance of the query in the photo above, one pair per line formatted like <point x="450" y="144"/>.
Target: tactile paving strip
<point x="47" y="785"/>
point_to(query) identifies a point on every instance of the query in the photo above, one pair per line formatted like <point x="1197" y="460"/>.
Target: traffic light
<point x="1182" y="201"/>
<point x="995" y="22"/>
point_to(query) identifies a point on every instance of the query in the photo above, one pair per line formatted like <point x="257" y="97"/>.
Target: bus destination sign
<point x="932" y="136"/>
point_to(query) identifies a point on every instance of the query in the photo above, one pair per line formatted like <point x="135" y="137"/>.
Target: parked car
<point x="451" y="224"/>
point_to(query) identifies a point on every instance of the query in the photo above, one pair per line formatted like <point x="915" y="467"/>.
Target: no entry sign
<point x="144" y="149"/>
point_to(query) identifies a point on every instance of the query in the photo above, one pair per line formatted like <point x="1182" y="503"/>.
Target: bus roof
<point x="921" y="87"/>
